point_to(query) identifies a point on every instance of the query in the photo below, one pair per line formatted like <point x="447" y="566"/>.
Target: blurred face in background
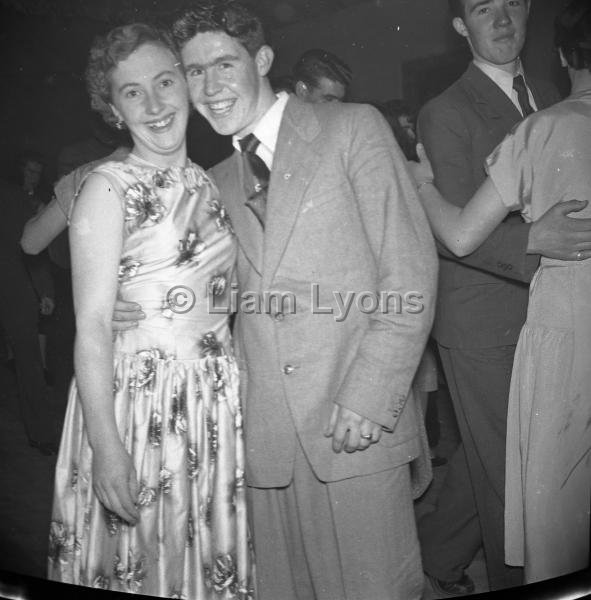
<point x="407" y="123"/>
<point x="325" y="90"/>
<point x="32" y="171"/>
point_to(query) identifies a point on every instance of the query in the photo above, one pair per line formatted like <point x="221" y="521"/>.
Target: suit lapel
<point x="294" y="165"/>
<point x="489" y="99"/>
<point x="230" y="177"/>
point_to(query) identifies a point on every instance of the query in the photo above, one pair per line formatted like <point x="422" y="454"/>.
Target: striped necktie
<point x="257" y="170"/>
<point x="522" y="96"/>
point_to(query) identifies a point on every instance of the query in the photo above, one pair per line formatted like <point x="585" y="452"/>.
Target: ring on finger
<point x="366" y="436"/>
<point x="580" y="255"/>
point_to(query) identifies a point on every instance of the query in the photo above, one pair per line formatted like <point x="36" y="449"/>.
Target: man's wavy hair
<point x="572" y="34"/>
<point x="108" y="51"/>
<point x="316" y="63"/>
<point x="227" y="16"/>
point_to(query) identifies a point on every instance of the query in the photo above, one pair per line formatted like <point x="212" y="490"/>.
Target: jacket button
<point x="288" y="369"/>
<point x="279" y="316"/>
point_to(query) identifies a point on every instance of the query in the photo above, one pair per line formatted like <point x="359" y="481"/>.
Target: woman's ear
<point x="563" y="61"/>
<point x="116" y="113"/>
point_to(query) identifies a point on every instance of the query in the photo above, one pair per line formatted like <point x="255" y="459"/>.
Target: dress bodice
<point x="177" y="257"/>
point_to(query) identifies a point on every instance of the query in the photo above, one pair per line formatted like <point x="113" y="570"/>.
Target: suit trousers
<point x="470" y="507"/>
<point x="353" y="539"/>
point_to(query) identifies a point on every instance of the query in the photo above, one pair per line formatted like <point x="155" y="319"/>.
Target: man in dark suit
<point x="482" y="299"/>
<point x="332" y="518"/>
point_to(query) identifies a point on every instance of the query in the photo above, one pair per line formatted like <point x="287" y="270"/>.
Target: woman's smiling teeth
<point x="162" y="124"/>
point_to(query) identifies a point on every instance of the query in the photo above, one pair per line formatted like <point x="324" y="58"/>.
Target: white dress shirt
<point x="267" y="130"/>
<point x="505" y="81"/>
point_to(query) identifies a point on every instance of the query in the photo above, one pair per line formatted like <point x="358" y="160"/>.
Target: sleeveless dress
<point x="545" y="160"/>
<point x="175" y="392"/>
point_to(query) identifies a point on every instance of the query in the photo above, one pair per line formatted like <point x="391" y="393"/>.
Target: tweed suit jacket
<point x="482" y="298"/>
<point x="342" y="217"/>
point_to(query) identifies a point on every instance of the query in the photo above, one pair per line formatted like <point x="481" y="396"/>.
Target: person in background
<point x="45" y="233"/>
<point x="483" y="296"/>
<point x="546" y="159"/>
<point x="403" y="124"/>
<point x="22" y="290"/>
<point x="426" y="377"/>
<point x="321" y="76"/>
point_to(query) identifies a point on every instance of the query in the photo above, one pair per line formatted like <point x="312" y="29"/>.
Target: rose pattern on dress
<point x="74" y="478"/>
<point x="165" y="481"/>
<point x="146" y="495"/>
<point x="132" y="574"/>
<point x="219" y="214"/>
<point x="61" y="543"/>
<point x="128" y="268"/>
<point x="192" y="461"/>
<point x="145" y="371"/>
<point x="224" y="574"/>
<point x="194" y="179"/>
<point x="190" y="531"/>
<point x="190" y="248"/>
<point x="177" y="423"/>
<point x="212" y="351"/>
<point x="212" y="436"/>
<point x="101" y="582"/>
<point x="155" y="429"/>
<point x="164" y="178"/>
<point x="113" y="521"/>
<point x="217" y="284"/>
<point x="143" y="207"/>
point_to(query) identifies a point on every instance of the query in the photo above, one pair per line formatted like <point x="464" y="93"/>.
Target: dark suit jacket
<point x="342" y="213"/>
<point x="482" y="298"/>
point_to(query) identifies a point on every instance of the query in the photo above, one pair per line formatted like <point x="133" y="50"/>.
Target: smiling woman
<point x="146" y="92"/>
<point x="149" y="487"/>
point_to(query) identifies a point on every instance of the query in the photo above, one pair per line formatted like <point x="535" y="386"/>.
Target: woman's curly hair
<point x="108" y="51"/>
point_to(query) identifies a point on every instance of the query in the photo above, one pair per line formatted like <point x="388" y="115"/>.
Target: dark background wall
<point x="396" y="48"/>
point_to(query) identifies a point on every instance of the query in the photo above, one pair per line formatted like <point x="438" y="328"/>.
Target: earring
<point x="119" y="124"/>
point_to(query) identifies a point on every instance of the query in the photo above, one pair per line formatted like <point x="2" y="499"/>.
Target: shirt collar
<point x="502" y="78"/>
<point x="267" y="129"/>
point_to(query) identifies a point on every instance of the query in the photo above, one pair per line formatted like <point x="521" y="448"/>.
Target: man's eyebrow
<point x="217" y="61"/>
<point x="479" y="4"/>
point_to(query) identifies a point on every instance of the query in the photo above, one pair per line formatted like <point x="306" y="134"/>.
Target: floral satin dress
<point x="175" y="392"/>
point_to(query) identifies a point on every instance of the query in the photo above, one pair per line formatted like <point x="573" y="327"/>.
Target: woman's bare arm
<point x="96" y="235"/>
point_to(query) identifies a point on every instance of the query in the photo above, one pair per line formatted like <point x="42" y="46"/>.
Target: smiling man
<point x="482" y="298"/>
<point x="319" y="195"/>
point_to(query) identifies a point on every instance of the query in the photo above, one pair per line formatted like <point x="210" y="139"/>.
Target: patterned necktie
<point x="255" y="167"/>
<point x="522" y="96"/>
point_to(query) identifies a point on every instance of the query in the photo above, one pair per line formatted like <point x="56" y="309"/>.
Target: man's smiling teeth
<point x="162" y="123"/>
<point x="221" y="107"/>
